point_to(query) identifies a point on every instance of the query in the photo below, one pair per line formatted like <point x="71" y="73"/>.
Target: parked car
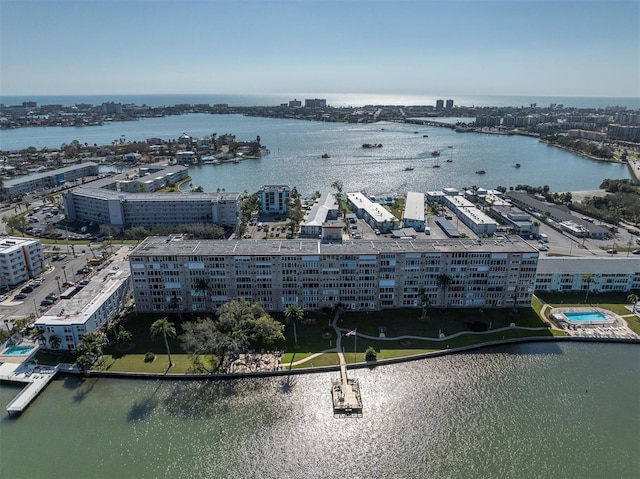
<point x="636" y="251"/>
<point x="612" y="251"/>
<point x="26" y="289"/>
<point x="46" y="302"/>
<point x="20" y="296"/>
<point x="3" y="297"/>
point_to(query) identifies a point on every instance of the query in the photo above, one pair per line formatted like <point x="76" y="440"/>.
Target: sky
<point x="463" y="47"/>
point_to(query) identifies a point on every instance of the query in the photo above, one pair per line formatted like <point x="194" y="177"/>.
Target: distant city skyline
<point x="441" y="48"/>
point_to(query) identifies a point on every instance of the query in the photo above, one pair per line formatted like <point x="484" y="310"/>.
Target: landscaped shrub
<point x="371" y="354"/>
<point x="149" y="357"/>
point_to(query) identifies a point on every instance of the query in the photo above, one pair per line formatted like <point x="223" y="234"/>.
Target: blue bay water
<point x="297" y="146"/>
<point x="531" y="410"/>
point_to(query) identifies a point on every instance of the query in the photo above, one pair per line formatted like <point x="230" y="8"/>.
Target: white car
<point x="3" y="297"/>
<point x="543" y="247"/>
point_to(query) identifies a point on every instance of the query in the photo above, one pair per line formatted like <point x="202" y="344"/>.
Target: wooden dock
<point x="35" y="379"/>
<point x="345" y="393"/>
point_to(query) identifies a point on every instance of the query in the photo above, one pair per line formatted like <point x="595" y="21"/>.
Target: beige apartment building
<point x="174" y="274"/>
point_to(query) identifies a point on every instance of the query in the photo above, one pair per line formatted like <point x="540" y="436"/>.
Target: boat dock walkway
<point x="345" y="392"/>
<point x="35" y="379"/>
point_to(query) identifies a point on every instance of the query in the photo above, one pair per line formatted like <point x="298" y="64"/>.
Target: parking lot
<point x="40" y="293"/>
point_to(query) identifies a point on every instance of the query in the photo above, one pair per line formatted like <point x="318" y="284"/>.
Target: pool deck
<point x="613" y="327"/>
<point x="34" y="378"/>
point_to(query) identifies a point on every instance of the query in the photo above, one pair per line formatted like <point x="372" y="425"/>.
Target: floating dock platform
<point x="34" y="379"/>
<point x="345" y="393"/>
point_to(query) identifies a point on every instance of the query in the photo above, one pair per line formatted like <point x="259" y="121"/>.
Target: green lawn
<point x="316" y="335"/>
<point x="403" y="322"/>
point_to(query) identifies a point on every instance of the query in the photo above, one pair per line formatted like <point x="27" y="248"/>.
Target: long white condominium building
<point x="86" y="309"/>
<point x="170" y="273"/>
<point x="49" y="179"/>
<point x="20" y="259"/>
<point x="596" y="275"/>
<point x="123" y="210"/>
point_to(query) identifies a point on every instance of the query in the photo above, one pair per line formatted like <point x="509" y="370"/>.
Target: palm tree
<point x="54" y="341"/>
<point x="111" y="327"/>
<point x="587" y="279"/>
<point x="337" y="185"/>
<point x="167" y="329"/>
<point x="202" y="285"/>
<point x="633" y="299"/>
<point x="424" y="301"/>
<point x="175" y="303"/>
<point x="124" y="337"/>
<point x="292" y="315"/>
<point x="39" y="336"/>
<point x="443" y="282"/>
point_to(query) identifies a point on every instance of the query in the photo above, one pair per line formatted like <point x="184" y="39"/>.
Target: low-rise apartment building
<point x="520" y="222"/>
<point x="274" y="199"/>
<point x="413" y="215"/>
<point x="325" y="209"/>
<point x="49" y="179"/>
<point x="153" y="179"/>
<point x="87" y="308"/>
<point x="174" y="274"/>
<point x="560" y="216"/>
<point x="596" y="274"/>
<point x="466" y="211"/>
<point x="374" y="214"/>
<point x="20" y="260"/>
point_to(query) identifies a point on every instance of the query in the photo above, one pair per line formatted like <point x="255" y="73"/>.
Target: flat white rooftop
<point x="414" y="206"/>
<point x="374" y="210"/>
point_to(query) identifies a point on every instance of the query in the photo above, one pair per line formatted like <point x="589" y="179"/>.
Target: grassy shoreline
<point x="406" y="335"/>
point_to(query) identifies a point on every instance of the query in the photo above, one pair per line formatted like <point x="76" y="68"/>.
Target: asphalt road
<point x="16" y="309"/>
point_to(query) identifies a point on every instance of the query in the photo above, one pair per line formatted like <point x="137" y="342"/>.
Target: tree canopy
<point x="238" y="326"/>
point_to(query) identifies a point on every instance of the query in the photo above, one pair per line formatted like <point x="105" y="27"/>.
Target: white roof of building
<point x="414" y="206"/>
<point x="165" y="245"/>
<point x="79" y="308"/>
<point x="375" y="210"/>
<point x="588" y="265"/>
<point x="12" y="243"/>
<point x="45" y="174"/>
<point x="320" y="210"/>
<point x="477" y="216"/>
<point x="460" y="201"/>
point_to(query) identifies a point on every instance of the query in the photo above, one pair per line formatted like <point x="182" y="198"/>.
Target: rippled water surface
<point x="297" y="146"/>
<point x="539" y="410"/>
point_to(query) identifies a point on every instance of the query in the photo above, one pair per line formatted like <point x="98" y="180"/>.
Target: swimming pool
<point x="586" y="316"/>
<point x="17" y="350"/>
